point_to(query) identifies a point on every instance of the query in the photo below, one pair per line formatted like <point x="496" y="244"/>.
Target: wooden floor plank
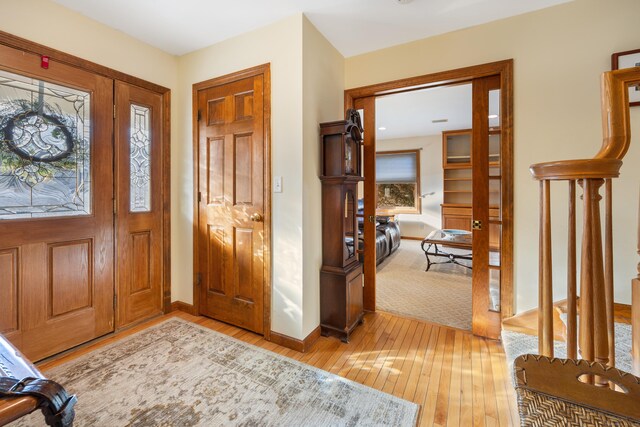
<point x="457" y="378"/>
<point x="455" y="390"/>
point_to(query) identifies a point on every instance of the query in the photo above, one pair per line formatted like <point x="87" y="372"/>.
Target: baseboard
<point x="302" y="346"/>
<point x="183" y="306"/>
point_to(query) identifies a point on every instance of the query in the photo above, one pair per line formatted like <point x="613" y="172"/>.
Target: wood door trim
<point x="265" y="71"/>
<point x="19" y="43"/>
<point x="504" y="69"/>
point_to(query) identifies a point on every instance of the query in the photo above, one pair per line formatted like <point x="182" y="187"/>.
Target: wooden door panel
<point x="231" y="169"/>
<point x="70" y="277"/>
<point x="139" y="203"/>
<point x="9" y="290"/>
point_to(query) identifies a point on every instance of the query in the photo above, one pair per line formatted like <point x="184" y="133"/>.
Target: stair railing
<point x="597" y="340"/>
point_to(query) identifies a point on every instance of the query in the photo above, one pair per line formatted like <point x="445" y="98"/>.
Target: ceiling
<point x="410" y="114"/>
<point x="352" y="26"/>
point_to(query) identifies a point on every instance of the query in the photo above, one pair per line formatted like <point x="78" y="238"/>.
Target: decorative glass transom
<point x="45" y="165"/>
<point x="140" y="159"/>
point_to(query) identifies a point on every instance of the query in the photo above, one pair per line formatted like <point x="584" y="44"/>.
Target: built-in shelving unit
<point x="458" y="178"/>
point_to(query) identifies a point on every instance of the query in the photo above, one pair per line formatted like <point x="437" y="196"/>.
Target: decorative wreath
<point x="38" y="137"/>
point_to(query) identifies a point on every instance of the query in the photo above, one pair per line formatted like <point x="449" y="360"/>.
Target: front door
<point x="56" y="204"/>
<point x="231" y="207"/>
<point x="138" y="139"/>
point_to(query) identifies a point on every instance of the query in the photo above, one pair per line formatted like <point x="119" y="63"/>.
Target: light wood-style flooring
<point x="458" y="379"/>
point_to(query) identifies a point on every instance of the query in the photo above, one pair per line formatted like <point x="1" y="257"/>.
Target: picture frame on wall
<point x="628" y="59"/>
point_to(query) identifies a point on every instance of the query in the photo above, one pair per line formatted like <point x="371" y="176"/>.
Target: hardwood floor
<point x="458" y="379"/>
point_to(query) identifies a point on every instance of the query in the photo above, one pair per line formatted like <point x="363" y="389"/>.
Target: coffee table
<point x="459" y="239"/>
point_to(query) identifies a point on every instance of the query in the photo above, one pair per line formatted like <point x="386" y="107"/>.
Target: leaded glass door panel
<point x="56" y="198"/>
<point x="139" y="203"/>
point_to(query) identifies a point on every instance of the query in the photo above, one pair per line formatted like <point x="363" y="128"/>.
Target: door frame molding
<point x="265" y="70"/>
<point x="503" y="69"/>
<point x="55" y="55"/>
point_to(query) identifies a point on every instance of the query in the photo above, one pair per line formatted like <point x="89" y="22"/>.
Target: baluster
<point x="586" y="284"/>
<point x="635" y="309"/>
<point x="608" y="271"/>
<point x="601" y="339"/>
<point x="572" y="329"/>
<point x="545" y="319"/>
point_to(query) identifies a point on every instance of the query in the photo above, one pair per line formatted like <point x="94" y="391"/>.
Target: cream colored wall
<point x="420" y="225"/>
<point x="280" y="45"/>
<point x="559" y="54"/>
<point x="323" y="100"/>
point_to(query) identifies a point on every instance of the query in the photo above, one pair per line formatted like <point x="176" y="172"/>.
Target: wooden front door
<point x="231" y="192"/>
<point x="56" y="204"/>
<point x="138" y="139"/>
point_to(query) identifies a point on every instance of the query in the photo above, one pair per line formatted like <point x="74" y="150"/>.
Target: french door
<point x="486" y="224"/>
<point x="56" y="204"/>
<point x="492" y="173"/>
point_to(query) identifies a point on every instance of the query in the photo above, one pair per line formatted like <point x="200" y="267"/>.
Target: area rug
<point x="441" y="295"/>
<point x="181" y="374"/>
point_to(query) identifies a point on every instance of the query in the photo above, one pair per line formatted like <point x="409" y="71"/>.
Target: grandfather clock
<point x="341" y="306"/>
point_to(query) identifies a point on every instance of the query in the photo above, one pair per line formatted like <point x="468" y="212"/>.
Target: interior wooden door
<point x="367" y="109"/>
<point x="139" y="203"/>
<point x="56" y="204"/>
<point x="231" y="207"/>
<point x="486" y="209"/>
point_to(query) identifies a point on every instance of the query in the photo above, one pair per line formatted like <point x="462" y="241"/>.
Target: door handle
<point x="476" y="225"/>
<point x="256" y="217"/>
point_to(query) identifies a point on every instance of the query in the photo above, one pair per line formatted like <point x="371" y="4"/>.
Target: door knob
<point x="256" y="217"/>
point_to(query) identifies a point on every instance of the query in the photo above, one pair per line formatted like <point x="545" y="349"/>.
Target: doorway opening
<point x="456" y="204"/>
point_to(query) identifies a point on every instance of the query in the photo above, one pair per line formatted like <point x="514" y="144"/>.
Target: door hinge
<point x="199" y="196"/>
<point x="199" y="115"/>
<point x="114" y="111"/>
<point x="115" y="301"/>
<point x="198" y="279"/>
<point x="115" y="207"/>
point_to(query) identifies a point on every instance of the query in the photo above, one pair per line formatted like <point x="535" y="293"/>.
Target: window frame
<point x="417" y="204"/>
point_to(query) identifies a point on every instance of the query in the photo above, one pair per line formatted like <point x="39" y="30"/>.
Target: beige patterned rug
<point x="441" y="295"/>
<point x="181" y="374"/>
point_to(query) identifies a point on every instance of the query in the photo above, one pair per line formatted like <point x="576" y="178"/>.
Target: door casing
<point x="265" y="70"/>
<point x="364" y="97"/>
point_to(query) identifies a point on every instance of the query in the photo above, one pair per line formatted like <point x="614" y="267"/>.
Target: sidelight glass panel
<point x="45" y="152"/>
<point x="140" y="159"/>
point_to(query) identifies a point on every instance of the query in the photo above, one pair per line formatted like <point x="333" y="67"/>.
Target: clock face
<point x="349" y="157"/>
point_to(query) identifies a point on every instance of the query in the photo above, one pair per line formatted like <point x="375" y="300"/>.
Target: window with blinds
<point x="398" y="182"/>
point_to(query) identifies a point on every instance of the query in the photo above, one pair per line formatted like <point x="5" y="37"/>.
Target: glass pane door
<point x="486" y="207"/>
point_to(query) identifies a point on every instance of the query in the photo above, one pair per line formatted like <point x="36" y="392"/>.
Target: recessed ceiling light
<point x="440" y="121"/>
<point x="493" y="116"/>
<point x="382" y="128"/>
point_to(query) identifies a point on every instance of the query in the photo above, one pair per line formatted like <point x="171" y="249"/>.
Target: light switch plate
<point x="277" y="184"/>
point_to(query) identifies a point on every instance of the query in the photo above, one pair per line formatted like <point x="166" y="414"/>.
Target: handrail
<point x="615" y="130"/>
<point x="596" y="340"/>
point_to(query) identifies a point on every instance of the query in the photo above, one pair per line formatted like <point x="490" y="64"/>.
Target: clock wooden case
<point x="341" y="303"/>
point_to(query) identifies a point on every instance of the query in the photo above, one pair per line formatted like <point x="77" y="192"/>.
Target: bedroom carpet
<point x="178" y="373"/>
<point x="441" y="295"/>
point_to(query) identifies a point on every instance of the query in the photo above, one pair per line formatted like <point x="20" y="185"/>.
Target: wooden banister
<point x="597" y="339"/>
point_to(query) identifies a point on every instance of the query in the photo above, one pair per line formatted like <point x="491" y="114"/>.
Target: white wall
<point x="323" y="101"/>
<point x="559" y="54"/>
<point x="279" y="44"/>
<point x="420" y="225"/>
